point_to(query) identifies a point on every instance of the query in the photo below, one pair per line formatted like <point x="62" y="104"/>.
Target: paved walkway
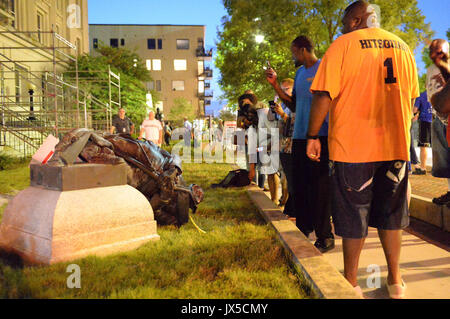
<point x="427" y="185"/>
<point x="425" y="267"/>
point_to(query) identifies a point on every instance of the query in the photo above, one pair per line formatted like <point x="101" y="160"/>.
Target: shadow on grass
<point x="11" y="259"/>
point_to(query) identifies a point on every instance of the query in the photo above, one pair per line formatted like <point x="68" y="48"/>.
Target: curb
<point x="325" y="280"/>
<point x="423" y="209"/>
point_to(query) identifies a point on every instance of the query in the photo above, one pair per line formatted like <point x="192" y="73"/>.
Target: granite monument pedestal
<point x="69" y="212"/>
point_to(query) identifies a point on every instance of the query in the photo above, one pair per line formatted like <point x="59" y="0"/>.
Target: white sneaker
<point x="359" y="291"/>
<point x="397" y="291"/>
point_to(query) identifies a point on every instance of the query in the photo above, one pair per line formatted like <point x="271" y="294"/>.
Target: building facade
<point x="175" y="56"/>
<point x="37" y="39"/>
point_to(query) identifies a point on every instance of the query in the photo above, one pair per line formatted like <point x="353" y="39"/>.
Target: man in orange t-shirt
<point x="368" y="82"/>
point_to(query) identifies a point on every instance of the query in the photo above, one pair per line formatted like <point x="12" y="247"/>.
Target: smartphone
<point x="267" y="66"/>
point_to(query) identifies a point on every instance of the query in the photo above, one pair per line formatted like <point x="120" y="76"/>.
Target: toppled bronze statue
<point x="151" y="170"/>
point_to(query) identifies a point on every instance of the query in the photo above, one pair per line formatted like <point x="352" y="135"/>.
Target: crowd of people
<point x="344" y="146"/>
<point x="345" y="137"/>
<point x="153" y="128"/>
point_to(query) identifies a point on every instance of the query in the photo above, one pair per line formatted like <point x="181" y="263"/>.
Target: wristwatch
<point x="310" y="137"/>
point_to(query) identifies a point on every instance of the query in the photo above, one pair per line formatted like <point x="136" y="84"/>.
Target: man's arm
<point x="288" y="100"/>
<point x="441" y="100"/>
<point x="160" y="136"/>
<point x="320" y="107"/>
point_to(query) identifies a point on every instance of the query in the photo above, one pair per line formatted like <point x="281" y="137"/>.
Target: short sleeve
<point x="328" y="76"/>
<point x="418" y="103"/>
<point x="114" y="121"/>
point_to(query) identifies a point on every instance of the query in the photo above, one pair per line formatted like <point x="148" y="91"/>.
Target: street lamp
<point x="259" y="38"/>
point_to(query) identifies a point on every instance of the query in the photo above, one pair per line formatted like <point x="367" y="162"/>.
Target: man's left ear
<point x="357" y="23"/>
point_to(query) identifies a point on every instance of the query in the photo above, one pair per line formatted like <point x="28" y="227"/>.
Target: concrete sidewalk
<point x="427" y="185"/>
<point x="425" y="267"/>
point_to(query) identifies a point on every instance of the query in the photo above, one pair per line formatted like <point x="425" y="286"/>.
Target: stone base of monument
<point x="62" y="217"/>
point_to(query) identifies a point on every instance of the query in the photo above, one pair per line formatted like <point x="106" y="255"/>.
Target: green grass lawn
<point x="14" y="180"/>
<point x="238" y="257"/>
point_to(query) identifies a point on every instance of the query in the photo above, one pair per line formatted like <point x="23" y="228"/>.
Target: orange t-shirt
<point x="371" y="76"/>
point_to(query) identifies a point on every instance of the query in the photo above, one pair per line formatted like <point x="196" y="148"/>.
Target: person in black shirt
<point x="158" y="115"/>
<point x="121" y="123"/>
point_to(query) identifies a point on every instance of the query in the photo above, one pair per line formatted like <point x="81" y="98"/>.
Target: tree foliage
<point x="133" y="75"/>
<point x="241" y="60"/>
<point x="181" y="108"/>
<point x="226" y="114"/>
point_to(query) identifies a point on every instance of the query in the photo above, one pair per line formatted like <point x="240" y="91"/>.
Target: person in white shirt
<point x="153" y="129"/>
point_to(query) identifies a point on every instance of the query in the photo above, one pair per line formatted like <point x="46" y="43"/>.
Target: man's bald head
<point x="355" y="16"/>
<point x="151" y="115"/>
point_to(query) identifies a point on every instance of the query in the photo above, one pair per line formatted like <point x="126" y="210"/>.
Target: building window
<point x="39" y="27"/>
<point x="149" y="64"/>
<point x="178" y="85"/>
<point x="150" y="85"/>
<point x="95" y="43"/>
<point x="158" y="85"/>
<point x="159" y="44"/>
<point x="156" y="64"/>
<point x="122" y="42"/>
<point x="114" y="43"/>
<point x="183" y="44"/>
<point x="201" y="67"/>
<point x="151" y="44"/>
<point x="201" y="87"/>
<point x="179" y="65"/>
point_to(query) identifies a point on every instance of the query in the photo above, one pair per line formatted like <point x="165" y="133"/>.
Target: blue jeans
<point x="440" y="149"/>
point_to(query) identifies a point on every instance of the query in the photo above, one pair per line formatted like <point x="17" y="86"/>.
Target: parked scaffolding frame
<point x="29" y="115"/>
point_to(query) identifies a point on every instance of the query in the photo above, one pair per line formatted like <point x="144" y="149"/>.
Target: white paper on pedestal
<point x="46" y="150"/>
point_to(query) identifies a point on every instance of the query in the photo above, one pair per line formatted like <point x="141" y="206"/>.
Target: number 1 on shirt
<point x="390" y="72"/>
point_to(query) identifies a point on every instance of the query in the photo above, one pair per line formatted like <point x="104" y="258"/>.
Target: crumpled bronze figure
<point x="151" y="170"/>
